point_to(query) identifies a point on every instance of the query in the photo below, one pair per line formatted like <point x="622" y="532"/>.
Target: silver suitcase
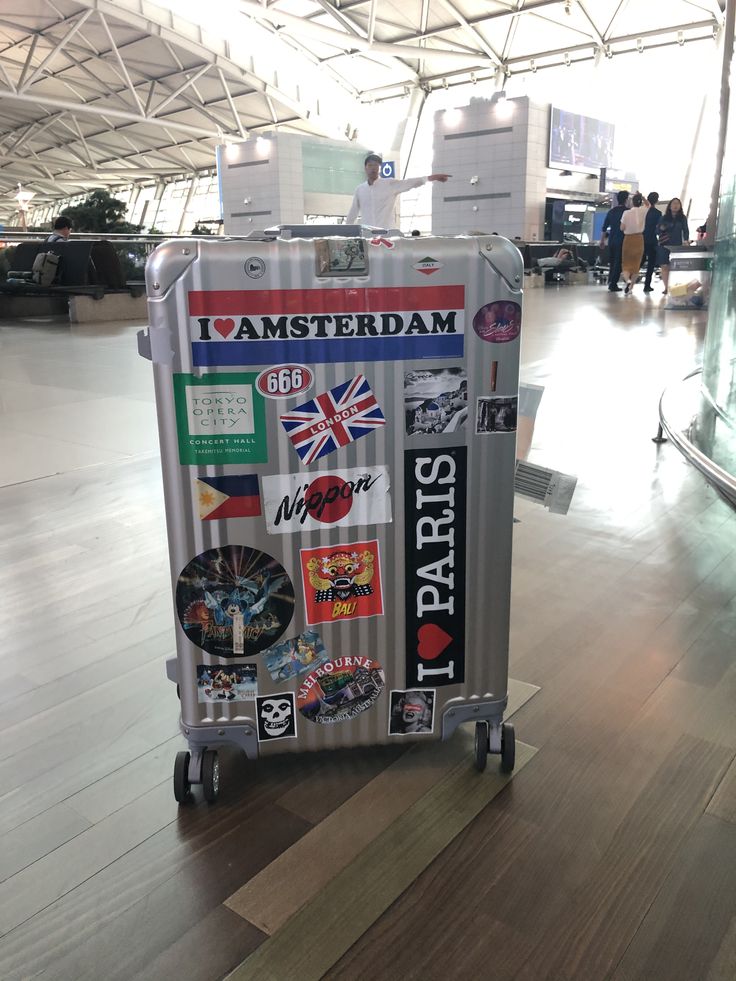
<point x="337" y="421"/>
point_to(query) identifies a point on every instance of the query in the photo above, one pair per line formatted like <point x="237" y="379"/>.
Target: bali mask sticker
<point x="340" y="689"/>
<point x="342" y="582"/>
<point x="435" y="400"/>
<point x="295" y="657"/>
<point x="276" y="717"/>
<point x="234" y="601"/>
<point x="498" y="322"/>
<point x="231" y="684"/>
<point x="412" y="712"/>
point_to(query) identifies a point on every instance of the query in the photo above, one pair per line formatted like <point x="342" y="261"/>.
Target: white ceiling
<point x="96" y="93"/>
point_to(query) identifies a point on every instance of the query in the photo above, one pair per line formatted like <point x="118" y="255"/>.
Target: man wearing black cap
<point x="375" y="199"/>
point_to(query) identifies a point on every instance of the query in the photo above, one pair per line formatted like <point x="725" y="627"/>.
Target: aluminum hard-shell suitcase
<point x="337" y="422"/>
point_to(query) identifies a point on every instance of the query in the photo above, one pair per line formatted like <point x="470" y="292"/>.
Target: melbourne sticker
<point x="309" y="502"/>
<point x="324" y="326"/>
<point x="233" y="496"/>
<point x="220" y="419"/>
<point x="232" y="684"/>
<point x="234" y="601"/>
<point x="411" y="712"/>
<point x="340" y="689"/>
<point x="333" y="419"/>
<point x="293" y="657"/>
<point x="498" y="322"/>
<point x="276" y="717"/>
<point x="435" y="400"/>
<point x="342" y="582"/>
<point x="496" y="415"/>
<point x="434" y="501"/>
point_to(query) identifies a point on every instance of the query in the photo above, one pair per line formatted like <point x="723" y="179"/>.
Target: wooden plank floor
<point x="610" y="857"/>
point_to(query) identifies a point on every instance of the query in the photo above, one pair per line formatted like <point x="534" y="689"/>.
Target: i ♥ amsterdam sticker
<point x="340" y="689"/>
<point x="498" y="322"/>
<point x="234" y="601"/>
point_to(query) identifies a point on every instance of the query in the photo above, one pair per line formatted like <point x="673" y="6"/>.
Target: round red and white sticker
<point x="284" y="380"/>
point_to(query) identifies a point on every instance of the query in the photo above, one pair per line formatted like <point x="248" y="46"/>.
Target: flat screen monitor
<point x="579" y="142"/>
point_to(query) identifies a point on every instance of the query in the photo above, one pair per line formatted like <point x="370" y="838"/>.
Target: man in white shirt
<point x="374" y="200"/>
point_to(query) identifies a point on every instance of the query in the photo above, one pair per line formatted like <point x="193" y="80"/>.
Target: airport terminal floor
<point x="608" y="855"/>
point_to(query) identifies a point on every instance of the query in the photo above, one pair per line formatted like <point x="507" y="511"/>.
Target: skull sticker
<point x="276" y="717"/>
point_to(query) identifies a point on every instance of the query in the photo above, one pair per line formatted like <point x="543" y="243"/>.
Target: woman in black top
<point x="671" y="231"/>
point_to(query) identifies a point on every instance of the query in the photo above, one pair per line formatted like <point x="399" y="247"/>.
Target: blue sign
<point x="388" y="168"/>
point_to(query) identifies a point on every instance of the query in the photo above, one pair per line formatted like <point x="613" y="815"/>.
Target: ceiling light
<point x="680" y="38"/>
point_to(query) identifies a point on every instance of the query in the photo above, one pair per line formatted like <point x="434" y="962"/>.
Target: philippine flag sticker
<point x="228" y="497"/>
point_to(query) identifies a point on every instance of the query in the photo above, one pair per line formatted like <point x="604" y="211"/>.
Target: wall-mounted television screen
<point x="579" y="142"/>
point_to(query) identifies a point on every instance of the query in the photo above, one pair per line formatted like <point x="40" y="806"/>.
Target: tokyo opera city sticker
<point x="313" y="501"/>
<point x="293" y="657"/>
<point x="498" y="321"/>
<point x="435" y="400"/>
<point x="233" y="684"/>
<point x="220" y="419"/>
<point x="228" y="497"/>
<point x="333" y="419"/>
<point x="276" y="717"/>
<point x="327" y="325"/>
<point x="411" y="712"/>
<point x="342" y="582"/>
<point x="234" y="601"/>
<point x="340" y="689"/>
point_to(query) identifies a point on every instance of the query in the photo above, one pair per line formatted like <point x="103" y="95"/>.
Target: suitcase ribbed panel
<point x="290" y="265"/>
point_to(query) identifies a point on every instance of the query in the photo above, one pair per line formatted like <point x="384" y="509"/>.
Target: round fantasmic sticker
<point x="498" y="321"/>
<point x="234" y="601"/>
<point x="340" y="689"/>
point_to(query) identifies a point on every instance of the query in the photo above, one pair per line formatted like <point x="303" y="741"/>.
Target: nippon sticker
<point x="427" y="265"/>
<point x="333" y="419"/>
<point x="275" y="717"/>
<point x="234" y="601"/>
<point x="496" y="415"/>
<point x="340" y="689"/>
<point x="296" y="656"/>
<point x="435" y="400"/>
<point x="342" y="582"/>
<point x="411" y="712"/>
<point x="220" y="418"/>
<point x="284" y="380"/>
<point x="232" y="684"/>
<point x="310" y="502"/>
<point x="228" y="496"/>
<point x="498" y="322"/>
<point x="327" y="325"/>
<point x="435" y="528"/>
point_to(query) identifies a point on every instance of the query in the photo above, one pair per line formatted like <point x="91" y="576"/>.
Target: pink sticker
<point x="498" y="321"/>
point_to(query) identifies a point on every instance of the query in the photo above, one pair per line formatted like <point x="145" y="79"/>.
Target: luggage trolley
<point x="337" y="419"/>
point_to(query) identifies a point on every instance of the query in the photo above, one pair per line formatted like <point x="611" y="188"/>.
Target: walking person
<point x="611" y="233"/>
<point x="650" y="239"/>
<point x="632" y="225"/>
<point x="375" y="199"/>
<point x="672" y="230"/>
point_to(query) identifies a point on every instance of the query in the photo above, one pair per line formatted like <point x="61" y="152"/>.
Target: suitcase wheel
<point x="508" y="748"/>
<point x="481" y="746"/>
<point x="182" y="787"/>
<point x="210" y="776"/>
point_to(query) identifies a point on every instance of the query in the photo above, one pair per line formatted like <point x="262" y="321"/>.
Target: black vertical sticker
<point x="434" y="490"/>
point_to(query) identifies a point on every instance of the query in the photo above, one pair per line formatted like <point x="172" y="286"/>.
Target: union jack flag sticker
<point x="333" y="419"/>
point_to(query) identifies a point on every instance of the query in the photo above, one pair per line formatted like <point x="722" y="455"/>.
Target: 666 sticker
<point x="284" y="380"/>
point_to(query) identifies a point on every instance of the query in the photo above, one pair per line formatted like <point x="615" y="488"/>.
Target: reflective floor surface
<point x="610" y="855"/>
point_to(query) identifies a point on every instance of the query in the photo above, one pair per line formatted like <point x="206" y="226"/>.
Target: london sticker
<point x="220" y="419"/>
<point x="342" y="582"/>
<point x="234" y="601"/>
<point x="340" y="689"/>
<point x="434" y="501"/>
